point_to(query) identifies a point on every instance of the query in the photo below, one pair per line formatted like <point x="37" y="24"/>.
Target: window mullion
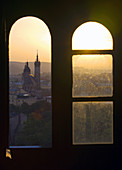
<point x="82" y="52"/>
<point x="86" y="99"/>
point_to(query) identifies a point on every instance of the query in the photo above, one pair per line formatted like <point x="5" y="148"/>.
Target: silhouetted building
<point x="31" y="82"/>
<point x="37" y="72"/>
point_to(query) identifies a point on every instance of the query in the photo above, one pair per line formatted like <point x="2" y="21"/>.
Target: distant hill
<point x="16" y="68"/>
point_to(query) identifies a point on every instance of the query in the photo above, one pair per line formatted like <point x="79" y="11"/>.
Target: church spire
<point x="27" y="63"/>
<point x="37" y="71"/>
<point x="37" y="56"/>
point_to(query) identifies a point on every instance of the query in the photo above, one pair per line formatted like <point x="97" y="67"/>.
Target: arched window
<point x="92" y="90"/>
<point x="30" y="108"/>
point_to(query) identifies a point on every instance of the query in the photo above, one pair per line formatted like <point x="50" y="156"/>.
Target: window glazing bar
<point x="82" y="52"/>
<point x="83" y="99"/>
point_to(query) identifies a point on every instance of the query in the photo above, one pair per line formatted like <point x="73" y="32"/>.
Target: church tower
<point x="25" y="74"/>
<point x="37" y="72"/>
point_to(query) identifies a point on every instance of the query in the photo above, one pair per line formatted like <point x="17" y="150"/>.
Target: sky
<point x="27" y="36"/>
<point x="30" y="34"/>
<point x="92" y="36"/>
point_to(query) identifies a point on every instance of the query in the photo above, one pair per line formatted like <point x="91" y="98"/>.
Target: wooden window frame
<point x="97" y="98"/>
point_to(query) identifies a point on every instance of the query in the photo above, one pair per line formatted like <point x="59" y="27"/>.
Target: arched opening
<point x="30" y="98"/>
<point x="92" y="90"/>
<point x="92" y="36"/>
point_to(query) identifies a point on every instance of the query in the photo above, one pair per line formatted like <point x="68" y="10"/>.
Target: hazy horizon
<point x="18" y="67"/>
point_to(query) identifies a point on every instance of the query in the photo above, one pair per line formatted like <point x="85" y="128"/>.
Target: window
<point x="92" y="89"/>
<point x="30" y="109"/>
<point x="62" y="19"/>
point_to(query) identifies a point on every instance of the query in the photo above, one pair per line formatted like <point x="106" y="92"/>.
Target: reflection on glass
<point x="92" y="123"/>
<point x="30" y="105"/>
<point x="92" y="75"/>
<point x="92" y="36"/>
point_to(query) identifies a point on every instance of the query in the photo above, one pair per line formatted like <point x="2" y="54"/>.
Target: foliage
<point x="27" y="109"/>
<point x="37" y="129"/>
<point x="35" y="132"/>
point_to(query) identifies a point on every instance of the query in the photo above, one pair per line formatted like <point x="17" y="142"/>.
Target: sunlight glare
<point x="92" y="36"/>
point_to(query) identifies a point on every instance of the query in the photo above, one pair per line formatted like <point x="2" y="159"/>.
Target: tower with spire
<point x="31" y="82"/>
<point x="37" y="72"/>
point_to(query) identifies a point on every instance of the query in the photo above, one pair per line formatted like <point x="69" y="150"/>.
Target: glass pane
<point x="30" y="105"/>
<point x="92" y="36"/>
<point x="92" y="122"/>
<point x="92" y="75"/>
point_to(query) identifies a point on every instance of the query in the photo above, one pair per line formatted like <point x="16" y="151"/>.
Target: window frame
<point x="90" y="98"/>
<point x="51" y="57"/>
<point x="71" y="154"/>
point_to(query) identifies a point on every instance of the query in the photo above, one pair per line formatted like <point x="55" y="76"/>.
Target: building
<point x="37" y="72"/>
<point x="31" y="82"/>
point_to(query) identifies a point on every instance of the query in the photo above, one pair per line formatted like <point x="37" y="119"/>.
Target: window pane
<point x="92" y="75"/>
<point x="92" y="36"/>
<point x="30" y="105"/>
<point x="92" y="122"/>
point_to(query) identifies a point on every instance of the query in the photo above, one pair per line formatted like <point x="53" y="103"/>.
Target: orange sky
<point x="28" y="35"/>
